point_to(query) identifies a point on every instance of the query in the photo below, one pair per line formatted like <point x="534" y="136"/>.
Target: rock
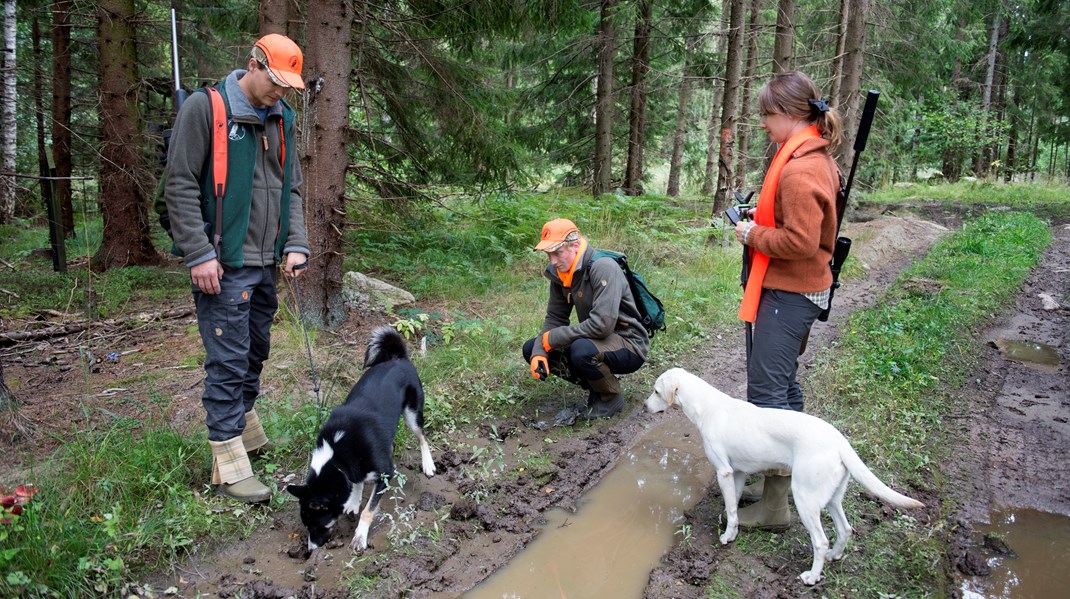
<point x="363" y="294"/>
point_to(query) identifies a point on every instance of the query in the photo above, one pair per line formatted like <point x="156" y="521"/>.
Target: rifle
<point x="843" y="244"/>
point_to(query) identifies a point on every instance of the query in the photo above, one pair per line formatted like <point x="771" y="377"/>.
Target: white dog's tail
<point x="867" y="479"/>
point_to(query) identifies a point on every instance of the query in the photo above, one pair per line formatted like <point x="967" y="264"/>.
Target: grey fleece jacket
<point x="603" y="302"/>
<point x="188" y="160"/>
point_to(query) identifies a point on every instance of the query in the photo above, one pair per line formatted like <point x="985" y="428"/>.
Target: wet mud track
<point x="447" y="534"/>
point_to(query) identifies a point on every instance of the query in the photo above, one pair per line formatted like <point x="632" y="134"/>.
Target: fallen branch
<point x="62" y="330"/>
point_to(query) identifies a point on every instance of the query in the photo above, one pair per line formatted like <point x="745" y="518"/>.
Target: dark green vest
<point x="237" y="200"/>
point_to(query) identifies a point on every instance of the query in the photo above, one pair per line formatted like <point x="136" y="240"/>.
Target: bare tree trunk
<point x="745" y="101"/>
<point x="61" y="109"/>
<point x="633" y="175"/>
<point x="603" y="134"/>
<point x="328" y="63"/>
<point x="709" y="179"/>
<point x="841" y="40"/>
<point x="730" y="106"/>
<point x="784" y="39"/>
<point x="126" y="240"/>
<point x="982" y="158"/>
<point x="680" y="133"/>
<point x="275" y="16"/>
<point x="853" y="54"/>
<point x="8" y="106"/>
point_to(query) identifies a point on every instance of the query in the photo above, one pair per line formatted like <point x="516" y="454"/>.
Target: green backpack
<point x="651" y="310"/>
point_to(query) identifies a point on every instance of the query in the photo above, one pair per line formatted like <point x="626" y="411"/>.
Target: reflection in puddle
<point x="1042" y="542"/>
<point x="620" y="530"/>
<point x="1029" y="351"/>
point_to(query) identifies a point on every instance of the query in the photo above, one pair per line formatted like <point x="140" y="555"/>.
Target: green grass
<point x="123" y="498"/>
<point x="1047" y="200"/>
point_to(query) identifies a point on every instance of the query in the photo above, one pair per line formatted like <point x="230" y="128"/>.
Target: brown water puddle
<point x="622" y="526"/>
<point x="1041" y="542"/>
<point x="1030" y="352"/>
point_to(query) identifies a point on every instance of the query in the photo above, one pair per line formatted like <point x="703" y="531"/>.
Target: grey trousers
<point x="783" y="320"/>
<point x="235" y="328"/>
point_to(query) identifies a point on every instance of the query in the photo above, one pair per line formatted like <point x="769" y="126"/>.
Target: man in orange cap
<point x="609" y="338"/>
<point x="233" y="243"/>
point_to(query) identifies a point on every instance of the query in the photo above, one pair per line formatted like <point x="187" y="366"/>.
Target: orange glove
<point x="546" y="341"/>
<point x="540" y="368"/>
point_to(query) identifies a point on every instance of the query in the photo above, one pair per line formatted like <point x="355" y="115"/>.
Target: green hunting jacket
<point x="603" y="302"/>
<point x="263" y="214"/>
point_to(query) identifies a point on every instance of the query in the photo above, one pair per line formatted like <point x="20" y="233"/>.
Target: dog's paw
<point x="728" y="537"/>
<point x="809" y="578"/>
<point x="429" y="469"/>
<point x="359" y="543"/>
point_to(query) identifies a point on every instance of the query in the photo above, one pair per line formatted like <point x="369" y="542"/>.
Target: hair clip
<point x="819" y="105"/>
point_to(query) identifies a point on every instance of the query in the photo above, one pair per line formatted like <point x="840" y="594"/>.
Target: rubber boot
<point x="253" y="437"/>
<point x="772" y="511"/>
<point x="753" y="491"/>
<point x="233" y="474"/>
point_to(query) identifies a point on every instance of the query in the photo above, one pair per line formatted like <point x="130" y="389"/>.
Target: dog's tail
<point x="867" y="479"/>
<point x="385" y="344"/>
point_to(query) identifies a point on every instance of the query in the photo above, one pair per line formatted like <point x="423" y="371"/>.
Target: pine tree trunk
<point x="637" y="115"/>
<point x="603" y="134"/>
<point x="709" y="179"/>
<point x="274" y="17"/>
<point x="61" y="109"/>
<point x="853" y="55"/>
<point x="680" y="132"/>
<point x="841" y="39"/>
<point x="122" y="198"/>
<point x="328" y="62"/>
<point x="784" y="39"/>
<point x="753" y="30"/>
<point x="730" y="107"/>
<point x="8" y="98"/>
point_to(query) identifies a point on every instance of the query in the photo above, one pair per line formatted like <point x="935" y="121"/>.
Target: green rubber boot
<point x="772" y="511"/>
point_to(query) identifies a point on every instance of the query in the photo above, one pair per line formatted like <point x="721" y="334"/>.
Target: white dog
<point x="740" y="438"/>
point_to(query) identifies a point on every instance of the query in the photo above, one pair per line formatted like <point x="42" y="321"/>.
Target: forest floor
<point x="1012" y="438"/>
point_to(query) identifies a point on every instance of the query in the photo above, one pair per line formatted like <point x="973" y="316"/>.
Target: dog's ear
<point x="672" y="393"/>
<point x="297" y="491"/>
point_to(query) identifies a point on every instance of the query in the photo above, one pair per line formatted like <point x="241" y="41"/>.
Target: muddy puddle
<point x="621" y="528"/>
<point x="1028" y="553"/>
<point x="1029" y="352"/>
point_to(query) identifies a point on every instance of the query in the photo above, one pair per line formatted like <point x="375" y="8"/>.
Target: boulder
<point x="362" y="293"/>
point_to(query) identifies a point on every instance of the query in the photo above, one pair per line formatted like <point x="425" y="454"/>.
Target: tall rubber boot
<point x="772" y="511"/>
<point x="751" y="492"/>
<point x="253" y="437"/>
<point x="233" y="474"/>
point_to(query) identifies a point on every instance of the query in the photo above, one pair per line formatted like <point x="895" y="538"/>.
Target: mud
<point x="496" y="484"/>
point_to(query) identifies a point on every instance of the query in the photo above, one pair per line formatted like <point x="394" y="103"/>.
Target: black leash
<point x="308" y="345"/>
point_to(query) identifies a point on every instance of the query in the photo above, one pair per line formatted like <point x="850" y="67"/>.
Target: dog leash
<point x="308" y="345"/>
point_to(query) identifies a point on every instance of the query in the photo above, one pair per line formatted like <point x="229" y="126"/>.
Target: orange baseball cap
<point x="557" y="233"/>
<point x="282" y="58"/>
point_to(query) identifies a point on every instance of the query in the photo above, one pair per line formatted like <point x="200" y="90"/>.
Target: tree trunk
<point x="603" y="128"/>
<point x="126" y="240"/>
<point x="8" y="107"/>
<point x="841" y="39"/>
<point x="983" y="157"/>
<point x="680" y="132"/>
<point x="637" y="116"/>
<point x="730" y="107"/>
<point x="61" y="109"/>
<point x="853" y="54"/>
<point x="274" y="17"/>
<point x="753" y="30"/>
<point x="784" y="39"/>
<point x="328" y="62"/>
<point x="709" y="179"/>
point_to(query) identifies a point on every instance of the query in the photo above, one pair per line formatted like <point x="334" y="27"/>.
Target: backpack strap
<point x="219" y="161"/>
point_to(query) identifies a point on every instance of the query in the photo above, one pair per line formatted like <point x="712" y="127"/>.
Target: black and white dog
<point x="356" y="444"/>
